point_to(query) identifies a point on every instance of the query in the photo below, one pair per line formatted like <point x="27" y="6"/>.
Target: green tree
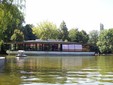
<point x="46" y="30"/>
<point x="64" y="31"/>
<point x="93" y="38"/>
<point x="84" y="37"/>
<point x="78" y="36"/>
<point x="16" y="19"/>
<point x="28" y="32"/>
<point x="10" y="18"/>
<point x="17" y="36"/>
<point x="73" y="35"/>
<point x="105" y="41"/>
<point x="19" y="3"/>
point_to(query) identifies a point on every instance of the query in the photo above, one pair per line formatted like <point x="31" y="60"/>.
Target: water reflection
<point x="46" y="70"/>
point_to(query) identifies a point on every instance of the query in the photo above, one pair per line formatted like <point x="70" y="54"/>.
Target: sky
<point x="82" y="14"/>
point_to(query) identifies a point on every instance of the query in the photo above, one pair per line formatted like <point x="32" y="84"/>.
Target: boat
<point x="21" y="53"/>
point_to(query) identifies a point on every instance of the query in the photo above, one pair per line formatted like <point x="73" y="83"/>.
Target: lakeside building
<point x="46" y="45"/>
<point x="55" y="47"/>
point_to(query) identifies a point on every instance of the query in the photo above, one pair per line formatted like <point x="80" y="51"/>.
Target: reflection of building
<point x="51" y="63"/>
<point x="71" y="63"/>
<point x="40" y="63"/>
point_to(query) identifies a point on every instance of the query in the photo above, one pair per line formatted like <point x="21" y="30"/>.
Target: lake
<point x="56" y="70"/>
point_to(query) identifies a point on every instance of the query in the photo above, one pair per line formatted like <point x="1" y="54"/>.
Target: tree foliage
<point x="93" y="37"/>
<point x="78" y="36"/>
<point x="15" y="21"/>
<point x="19" y="3"/>
<point x="28" y="32"/>
<point x="63" y="31"/>
<point x="10" y="18"/>
<point x="84" y="37"/>
<point x="105" y="41"/>
<point x="46" y="30"/>
<point x="17" y="36"/>
<point x="74" y="35"/>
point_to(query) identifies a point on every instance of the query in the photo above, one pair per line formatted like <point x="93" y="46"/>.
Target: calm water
<point x="92" y="70"/>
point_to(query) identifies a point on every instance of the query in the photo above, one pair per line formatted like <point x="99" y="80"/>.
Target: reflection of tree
<point x="11" y="75"/>
<point x="10" y="65"/>
<point x="45" y="68"/>
<point x="105" y="64"/>
<point x="10" y="79"/>
<point x="38" y="64"/>
<point x="58" y="69"/>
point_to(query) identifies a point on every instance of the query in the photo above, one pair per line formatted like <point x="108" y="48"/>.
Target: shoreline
<point x="56" y="53"/>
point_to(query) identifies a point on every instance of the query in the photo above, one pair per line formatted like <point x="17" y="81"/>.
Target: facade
<point x="49" y="47"/>
<point x="46" y="45"/>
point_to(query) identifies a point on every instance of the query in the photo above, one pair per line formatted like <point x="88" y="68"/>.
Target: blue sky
<point x="81" y="14"/>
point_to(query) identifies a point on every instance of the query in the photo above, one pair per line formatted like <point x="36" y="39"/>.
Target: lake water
<point x="56" y="70"/>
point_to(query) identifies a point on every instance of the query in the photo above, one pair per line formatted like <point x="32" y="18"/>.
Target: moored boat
<point x="21" y="53"/>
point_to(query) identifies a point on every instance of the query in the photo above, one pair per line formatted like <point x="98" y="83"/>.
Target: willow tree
<point x="17" y="36"/>
<point x="11" y="18"/>
<point x="46" y="30"/>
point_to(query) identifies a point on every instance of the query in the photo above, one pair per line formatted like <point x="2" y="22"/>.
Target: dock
<point x="55" y="53"/>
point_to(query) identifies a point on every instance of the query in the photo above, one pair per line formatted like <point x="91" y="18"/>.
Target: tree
<point x="78" y="36"/>
<point x="93" y="38"/>
<point x="46" y="30"/>
<point x="105" y="41"/>
<point x="64" y="31"/>
<point x="15" y="21"/>
<point x="17" y="36"/>
<point x="19" y="3"/>
<point x="28" y="33"/>
<point x="73" y="35"/>
<point x="10" y="18"/>
<point x="84" y="37"/>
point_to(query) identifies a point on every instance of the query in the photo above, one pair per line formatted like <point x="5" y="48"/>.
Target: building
<point x="46" y="45"/>
<point x="101" y="27"/>
<point x="49" y="47"/>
